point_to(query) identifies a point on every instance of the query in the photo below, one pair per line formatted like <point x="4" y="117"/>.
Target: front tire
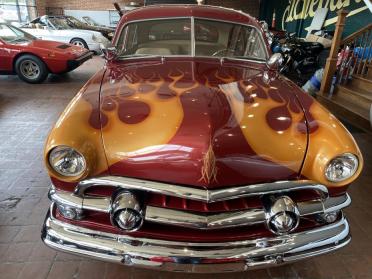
<point x="79" y="42"/>
<point x="31" y="69"/>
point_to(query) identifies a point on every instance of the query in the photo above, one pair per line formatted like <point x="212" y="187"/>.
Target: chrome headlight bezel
<point x="335" y="170"/>
<point x="67" y="155"/>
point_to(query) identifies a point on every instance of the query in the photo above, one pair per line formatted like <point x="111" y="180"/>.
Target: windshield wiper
<point x="248" y="58"/>
<point x="240" y="58"/>
<point x="142" y="56"/>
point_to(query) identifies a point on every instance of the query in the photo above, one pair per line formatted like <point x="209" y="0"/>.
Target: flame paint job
<point x="55" y="58"/>
<point x="199" y="121"/>
<point x="194" y="121"/>
<point x="186" y="124"/>
<point x="74" y="129"/>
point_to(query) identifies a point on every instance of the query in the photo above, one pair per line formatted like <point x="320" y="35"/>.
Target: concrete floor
<point x="27" y="113"/>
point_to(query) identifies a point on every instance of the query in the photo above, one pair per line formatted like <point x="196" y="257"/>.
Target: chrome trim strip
<point x="201" y="194"/>
<point x="202" y="221"/>
<point x="101" y="204"/>
<point x="236" y="218"/>
<point x="199" y="220"/>
<point x="194" y="257"/>
<point x="193" y="41"/>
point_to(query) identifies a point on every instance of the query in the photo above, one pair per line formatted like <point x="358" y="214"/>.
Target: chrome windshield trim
<point x="204" y="195"/>
<point x="193" y="42"/>
<point x="198" y="256"/>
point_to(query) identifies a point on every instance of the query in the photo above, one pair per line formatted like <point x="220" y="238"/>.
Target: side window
<point x="254" y="46"/>
<point x="224" y="39"/>
<point x="128" y="39"/>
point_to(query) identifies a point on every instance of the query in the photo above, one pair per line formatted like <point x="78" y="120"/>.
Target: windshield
<point x="90" y="21"/>
<point x="167" y="37"/>
<point x="72" y="21"/>
<point x="11" y="34"/>
<point x="59" y="23"/>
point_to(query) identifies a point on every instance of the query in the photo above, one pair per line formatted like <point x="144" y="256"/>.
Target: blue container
<point x="366" y="52"/>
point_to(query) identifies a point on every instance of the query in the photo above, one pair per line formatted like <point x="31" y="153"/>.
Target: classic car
<point x="108" y="32"/>
<point x="189" y="152"/>
<point x="58" y="29"/>
<point x="32" y="59"/>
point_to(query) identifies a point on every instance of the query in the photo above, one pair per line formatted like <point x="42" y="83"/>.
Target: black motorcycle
<point x="301" y="59"/>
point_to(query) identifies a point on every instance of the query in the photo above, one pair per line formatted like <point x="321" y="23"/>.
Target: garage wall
<point x="81" y="4"/>
<point x="249" y="6"/>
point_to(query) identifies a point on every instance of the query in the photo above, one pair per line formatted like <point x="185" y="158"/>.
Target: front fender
<point x="79" y="127"/>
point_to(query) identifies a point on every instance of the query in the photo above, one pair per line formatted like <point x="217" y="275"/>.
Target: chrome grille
<point x="196" y="220"/>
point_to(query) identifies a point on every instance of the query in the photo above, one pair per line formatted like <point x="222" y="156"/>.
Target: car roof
<point x="198" y="11"/>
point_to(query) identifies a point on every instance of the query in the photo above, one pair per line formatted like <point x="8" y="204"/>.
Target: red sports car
<point x="32" y="59"/>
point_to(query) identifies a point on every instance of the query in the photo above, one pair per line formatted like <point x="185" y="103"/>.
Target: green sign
<point x="297" y="15"/>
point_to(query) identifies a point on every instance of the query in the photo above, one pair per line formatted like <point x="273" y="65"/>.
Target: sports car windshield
<point x="72" y="21"/>
<point x="167" y="37"/>
<point x="90" y="21"/>
<point x="13" y="35"/>
<point x="60" y="23"/>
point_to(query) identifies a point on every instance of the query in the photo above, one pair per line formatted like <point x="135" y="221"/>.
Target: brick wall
<point x="94" y="5"/>
<point x="40" y="6"/>
<point x="249" y="6"/>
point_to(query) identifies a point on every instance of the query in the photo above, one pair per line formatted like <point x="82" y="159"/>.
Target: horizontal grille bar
<point x="204" y="195"/>
<point x="237" y="218"/>
<point x="197" y="220"/>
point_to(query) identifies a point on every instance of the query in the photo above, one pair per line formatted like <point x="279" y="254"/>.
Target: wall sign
<point x="297" y="15"/>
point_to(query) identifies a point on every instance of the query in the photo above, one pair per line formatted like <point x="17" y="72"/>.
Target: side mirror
<point x="275" y="61"/>
<point x="109" y="51"/>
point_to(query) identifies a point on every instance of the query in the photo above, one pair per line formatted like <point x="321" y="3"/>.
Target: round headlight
<point x="67" y="161"/>
<point x="342" y="167"/>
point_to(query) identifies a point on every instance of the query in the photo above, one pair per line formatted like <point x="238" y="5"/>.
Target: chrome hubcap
<point x="78" y="43"/>
<point x="30" y="69"/>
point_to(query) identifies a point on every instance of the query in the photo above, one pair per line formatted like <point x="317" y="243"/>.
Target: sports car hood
<point x="56" y="47"/>
<point x="201" y="122"/>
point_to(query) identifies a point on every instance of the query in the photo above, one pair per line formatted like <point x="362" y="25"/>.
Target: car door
<point x="5" y="57"/>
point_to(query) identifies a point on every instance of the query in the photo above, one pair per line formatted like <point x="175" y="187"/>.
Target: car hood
<point x="201" y="122"/>
<point x="70" y="33"/>
<point x="56" y="47"/>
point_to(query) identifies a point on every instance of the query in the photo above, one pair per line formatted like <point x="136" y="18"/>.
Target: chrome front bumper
<point x="195" y="257"/>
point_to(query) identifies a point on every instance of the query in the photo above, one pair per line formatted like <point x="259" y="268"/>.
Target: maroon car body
<point x="196" y="156"/>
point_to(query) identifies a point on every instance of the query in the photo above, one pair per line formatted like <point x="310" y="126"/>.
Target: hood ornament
<point x="209" y="169"/>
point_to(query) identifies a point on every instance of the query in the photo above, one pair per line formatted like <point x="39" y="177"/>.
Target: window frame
<point x="19" y="5"/>
<point x="192" y="18"/>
